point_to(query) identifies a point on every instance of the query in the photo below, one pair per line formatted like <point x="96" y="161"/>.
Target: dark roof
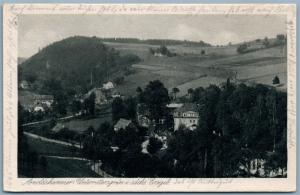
<point x="187" y="107"/>
<point x="43" y="97"/>
<point x="122" y="123"/>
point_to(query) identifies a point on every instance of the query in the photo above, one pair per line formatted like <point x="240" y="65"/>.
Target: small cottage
<point x="122" y="124"/>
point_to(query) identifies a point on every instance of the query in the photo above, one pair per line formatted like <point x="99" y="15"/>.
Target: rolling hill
<point x="191" y="69"/>
<point x="75" y="59"/>
<point x="74" y="62"/>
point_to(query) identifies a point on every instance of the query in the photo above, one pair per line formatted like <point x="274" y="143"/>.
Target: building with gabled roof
<point x="122" y="124"/>
<point x="186" y="115"/>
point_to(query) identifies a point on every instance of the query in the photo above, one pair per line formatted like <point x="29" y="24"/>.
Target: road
<point x="48" y="120"/>
<point x="63" y="118"/>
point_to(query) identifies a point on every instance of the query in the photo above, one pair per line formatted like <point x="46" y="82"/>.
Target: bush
<point x="119" y="80"/>
<point x="242" y="48"/>
<point x="276" y="80"/>
<point x="154" y="145"/>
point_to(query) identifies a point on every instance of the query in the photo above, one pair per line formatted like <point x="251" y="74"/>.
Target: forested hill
<point x="72" y="61"/>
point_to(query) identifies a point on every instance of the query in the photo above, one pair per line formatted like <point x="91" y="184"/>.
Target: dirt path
<point x="46" y="121"/>
<point x="69" y="158"/>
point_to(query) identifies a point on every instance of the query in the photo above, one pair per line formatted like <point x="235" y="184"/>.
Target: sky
<point x="38" y="31"/>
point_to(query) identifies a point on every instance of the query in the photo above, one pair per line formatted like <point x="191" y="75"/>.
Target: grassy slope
<point x="66" y="168"/>
<point x="191" y="70"/>
<point x="63" y="168"/>
<point x="81" y="125"/>
<point x="59" y="167"/>
<point x="52" y="149"/>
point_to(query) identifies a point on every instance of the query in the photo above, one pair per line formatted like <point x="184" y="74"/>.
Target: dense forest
<point x="239" y="125"/>
<point x="77" y="62"/>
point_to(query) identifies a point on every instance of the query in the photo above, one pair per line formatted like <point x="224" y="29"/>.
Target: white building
<point x="186" y="115"/>
<point x="108" y="85"/>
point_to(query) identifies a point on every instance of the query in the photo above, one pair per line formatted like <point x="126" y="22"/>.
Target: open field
<point x="190" y="69"/>
<point x="52" y="149"/>
<point x="81" y="125"/>
<point x="61" y="168"/>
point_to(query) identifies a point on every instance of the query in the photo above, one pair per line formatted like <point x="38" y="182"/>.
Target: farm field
<point x="190" y="69"/>
<point x="81" y="125"/>
<point x="68" y="168"/>
<point x="52" y="149"/>
<point x="61" y="168"/>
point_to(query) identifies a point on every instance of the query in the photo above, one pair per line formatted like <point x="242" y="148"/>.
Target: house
<point x="40" y="100"/>
<point x="187" y="115"/>
<point x="24" y="85"/>
<point x="122" y="124"/>
<point x="100" y="97"/>
<point x="108" y="85"/>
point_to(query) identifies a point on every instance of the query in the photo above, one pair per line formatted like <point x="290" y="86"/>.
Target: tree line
<point x="239" y="125"/>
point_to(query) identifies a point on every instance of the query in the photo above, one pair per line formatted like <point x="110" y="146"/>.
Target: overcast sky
<point x="37" y="31"/>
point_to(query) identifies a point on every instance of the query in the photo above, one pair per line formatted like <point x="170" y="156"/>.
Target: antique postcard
<point x="149" y="97"/>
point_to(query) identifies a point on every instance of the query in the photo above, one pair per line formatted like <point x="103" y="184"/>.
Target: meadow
<point x="191" y="69"/>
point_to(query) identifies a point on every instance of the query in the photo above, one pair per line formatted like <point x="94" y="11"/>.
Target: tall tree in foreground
<point x="156" y="97"/>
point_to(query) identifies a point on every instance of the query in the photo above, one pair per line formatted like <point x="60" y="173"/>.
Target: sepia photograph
<point x="152" y="96"/>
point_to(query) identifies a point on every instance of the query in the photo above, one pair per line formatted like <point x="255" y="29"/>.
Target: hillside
<point x="191" y="69"/>
<point x="73" y="61"/>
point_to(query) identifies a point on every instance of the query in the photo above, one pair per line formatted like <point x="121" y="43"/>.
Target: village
<point x="186" y="110"/>
<point x="183" y="114"/>
<point x="146" y="122"/>
<point x="180" y="115"/>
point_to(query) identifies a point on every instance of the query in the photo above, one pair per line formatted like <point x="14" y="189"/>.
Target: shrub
<point x="276" y="80"/>
<point x="154" y="145"/>
<point x="242" y="48"/>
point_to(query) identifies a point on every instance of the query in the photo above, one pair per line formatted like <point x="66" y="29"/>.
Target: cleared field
<point x="142" y="50"/>
<point x="68" y="168"/>
<point x="201" y="82"/>
<point x="81" y="125"/>
<point x="61" y="168"/>
<point x="52" y="149"/>
<point x="263" y="74"/>
<point x="190" y="69"/>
